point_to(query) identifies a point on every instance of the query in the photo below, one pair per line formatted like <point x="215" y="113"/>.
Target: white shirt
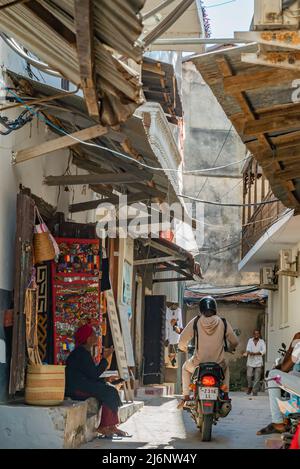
<point x="256" y="360"/>
<point x="171" y="335"/>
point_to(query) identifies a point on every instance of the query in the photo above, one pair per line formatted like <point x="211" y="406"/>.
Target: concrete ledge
<point x="23" y="426"/>
<point x="127" y="410"/>
<point x="66" y="426"/>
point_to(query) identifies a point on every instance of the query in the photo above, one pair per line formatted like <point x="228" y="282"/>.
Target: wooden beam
<point x="286" y="60"/>
<point x="267" y="125"/>
<point x="287" y="174"/>
<point x="252" y="81"/>
<point x="112" y="178"/>
<point x="277" y="37"/>
<point x="85" y="50"/>
<point x="285" y="155"/>
<point x="59" y="143"/>
<point x="157" y="260"/>
<point x="114" y="200"/>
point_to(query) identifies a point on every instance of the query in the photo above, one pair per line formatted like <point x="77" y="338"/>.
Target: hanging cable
<point x="209" y="202"/>
<point x="115" y="152"/>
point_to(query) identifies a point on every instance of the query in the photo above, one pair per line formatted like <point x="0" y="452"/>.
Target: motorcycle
<point x="210" y="402"/>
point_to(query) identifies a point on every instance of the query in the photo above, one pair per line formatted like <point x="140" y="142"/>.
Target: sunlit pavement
<point x="160" y="425"/>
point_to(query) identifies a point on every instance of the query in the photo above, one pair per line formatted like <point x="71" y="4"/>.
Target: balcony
<point x="257" y="220"/>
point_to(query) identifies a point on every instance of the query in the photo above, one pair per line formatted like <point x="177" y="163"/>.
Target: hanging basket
<point x="43" y="242"/>
<point x="43" y="248"/>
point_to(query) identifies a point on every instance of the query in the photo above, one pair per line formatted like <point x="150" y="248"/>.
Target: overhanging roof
<point x="51" y="30"/>
<point x="258" y="101"/>
<point x="167" y="256"/>
<point x="131" y="139"/>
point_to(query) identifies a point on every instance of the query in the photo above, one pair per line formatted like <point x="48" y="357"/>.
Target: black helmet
<point x="208" y="305"/>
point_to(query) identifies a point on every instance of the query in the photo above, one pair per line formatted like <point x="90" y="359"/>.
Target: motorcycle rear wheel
<point x="206" y="427"/>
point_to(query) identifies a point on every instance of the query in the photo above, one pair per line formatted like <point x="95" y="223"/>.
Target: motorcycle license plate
<point x="208" y="394"/>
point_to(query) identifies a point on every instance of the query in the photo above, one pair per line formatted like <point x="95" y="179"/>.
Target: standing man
<point x="256" y="349"/>
<point x="173" y="330"/>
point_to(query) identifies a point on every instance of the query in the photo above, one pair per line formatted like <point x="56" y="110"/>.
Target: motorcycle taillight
<point x="208" y="380"/>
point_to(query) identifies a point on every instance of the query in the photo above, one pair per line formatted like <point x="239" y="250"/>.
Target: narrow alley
<point x="161" y="425"/>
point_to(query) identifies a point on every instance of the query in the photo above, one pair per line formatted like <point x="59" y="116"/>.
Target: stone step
<point x="156" y="390"/>
<point x="69" y="425"/>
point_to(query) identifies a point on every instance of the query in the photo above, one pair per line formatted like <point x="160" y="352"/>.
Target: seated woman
<point x="82" y="381"/>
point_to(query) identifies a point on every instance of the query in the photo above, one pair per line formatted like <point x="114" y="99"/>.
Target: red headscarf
<point x="82" y="334"/>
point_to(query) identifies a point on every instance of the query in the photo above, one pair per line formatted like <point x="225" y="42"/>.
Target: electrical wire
<point x="154" y="168"/>
<point x="219" y="4"/>
<point x="209" y="202"/>
<point x="115" y="152"/>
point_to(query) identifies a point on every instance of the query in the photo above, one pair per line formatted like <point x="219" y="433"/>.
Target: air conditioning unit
<point x="285" y="259"/>
<point x="288" y="263"/>
<point x="267" y="276"/>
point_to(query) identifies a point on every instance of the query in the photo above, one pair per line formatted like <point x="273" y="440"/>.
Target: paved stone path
<point x="161" y="425"/>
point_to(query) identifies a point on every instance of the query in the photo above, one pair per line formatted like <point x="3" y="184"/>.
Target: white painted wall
<point x="30" y="174"/>
<point x="284" y="303"/>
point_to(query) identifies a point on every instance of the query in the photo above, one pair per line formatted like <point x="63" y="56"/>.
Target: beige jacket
<point x="210" y="339"/>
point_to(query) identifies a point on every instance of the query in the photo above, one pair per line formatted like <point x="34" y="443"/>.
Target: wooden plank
<point x="117" y="335"/>
<point x="286" y="60"/>
<point x="252" y="81"/>
<point x="286" y="174"/>
<point x="285" y="155"/>
<point x="110" y="178"/>
<point x="157" y="260"/>
<point x="93" y="204"/>
<point x="85" y="51"/>
<point x="59" y="143"/>
<point x="153" y="68"/>
<point x="23" y="270"/>
<point x="279" y="123"/>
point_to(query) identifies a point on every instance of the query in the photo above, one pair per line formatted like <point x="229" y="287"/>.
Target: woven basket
<point x="45" y="385"/>
<point x="43" y="248"/>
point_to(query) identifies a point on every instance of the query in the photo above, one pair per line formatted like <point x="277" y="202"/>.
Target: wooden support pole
<point x="59" y="143"/>
<point x="85" y="50"/>
<point x="113" y="178"/>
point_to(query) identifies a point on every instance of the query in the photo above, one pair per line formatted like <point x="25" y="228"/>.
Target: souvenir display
<point x="76" y="294"/>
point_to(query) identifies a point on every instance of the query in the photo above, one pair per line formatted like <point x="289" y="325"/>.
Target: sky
<point x="230" y="17"/>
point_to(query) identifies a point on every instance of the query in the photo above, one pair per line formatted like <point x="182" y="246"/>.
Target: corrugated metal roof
<point x="117" y="27"/>
<point x="72" y="115"/>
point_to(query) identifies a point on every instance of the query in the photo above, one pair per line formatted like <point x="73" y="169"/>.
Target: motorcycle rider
<point x="288" y="377"/>
<point x="210" y="344"/>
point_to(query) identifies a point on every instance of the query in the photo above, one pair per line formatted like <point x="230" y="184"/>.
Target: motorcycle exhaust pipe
<point x="225" y="409"/>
